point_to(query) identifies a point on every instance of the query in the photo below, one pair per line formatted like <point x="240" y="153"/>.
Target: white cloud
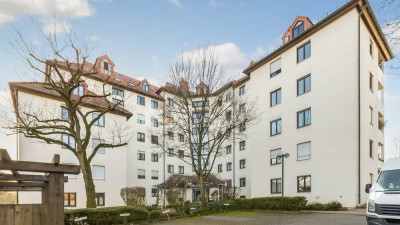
<point x="56" y="27"/>
<point x="11" y="10"/>
<point x="215" y="3"/>
<point x="175" y="2"/>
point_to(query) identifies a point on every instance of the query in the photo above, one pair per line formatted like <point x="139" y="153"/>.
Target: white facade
<point x="329" y="144"/>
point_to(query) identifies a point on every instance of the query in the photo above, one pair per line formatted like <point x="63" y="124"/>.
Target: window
<point x="275" y="68"/>
<point x="242" y="145"/>
<point x="69" y="199"/>
<point x="381" y="122"/>
<point x="371" y="149"/>
<point x="154" y="139"/>
<point x="242" y="163"/>
<point x="170" y="119"/>
<point x="371" y="115"/>
<point x="371" y="48"/>
<point x="140" y="100"/>
<point x="154" y="192"/>
<point x="276" y="127"/>
<point x="276" y="186"/>
<point x="141" y="174"/>
<point x="229" y="183"/>
<point x="371" y="82"/>
<point x="304" y="118"/>
<point x="69" y="140"/>
<point x="154" y="122"/>
<point x="118" y="92"/>
<point x="298" y="29"/>
<point x="242" y="108"/>
<point x="304" y="85"/>
<point x="380" y="152"/>
<point x="140" y="119"/>
<point x="219" y="168"/>
<point x="118" y="102"/>
<point x="145" y="87"/>
<point x="99" y="172"/>
<point x="229" y="149"/>
<point x="64" y="113"/>
<point x="228" y="115"/>
<point x="181" y="169"/>
<point x="242" y="182"/>
<point x="141" y="137"/>
<point x="181" y="138"/>
<point x="100" y="199"/>
<point x="170" y="152"/>
<point x="80" y="90"/>
<point x="380" y="92"/>
<point x="242" y="90"/>
<point x="170" y="135"/>
<point x="154" y="104"/>
<point x="304" y="151"/>
<point x="242" y="126"/>
<point x="304" y="52"/>
<point x="170" y="168"/>
<point x="170" y="102"/>
<point x="105" y="67"/>
<point x="95" y="143"/>
<point x="228" y="166"/>
<point x="141" y="155"/>
<point x="273" y="154"/>
<point x="276" y="97"/>
<point x="228" y="97"/>
<point x="181" y="154"/>
<point x="154" y="157"/>
<point x="154" y="174"/>
<point x="304" y="183"/>
<point x="200" y="103"/>
<point x="100" y="120"/>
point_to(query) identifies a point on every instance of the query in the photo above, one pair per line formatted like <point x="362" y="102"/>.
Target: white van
<point x="383" y="207"/>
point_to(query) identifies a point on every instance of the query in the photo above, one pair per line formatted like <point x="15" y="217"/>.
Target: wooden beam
<point x="21" y="184"/>
<point x="39" y="167"/>
<point x="21" y="188"/>
<point x="24" y="177"/>
<point x="56" y="159"/>
<point x="4" y="156"/>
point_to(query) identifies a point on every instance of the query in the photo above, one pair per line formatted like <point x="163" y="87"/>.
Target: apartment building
<point x="320" y="96"/>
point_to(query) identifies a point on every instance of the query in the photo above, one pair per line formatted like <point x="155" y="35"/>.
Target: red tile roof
<point x="92" y="102"/>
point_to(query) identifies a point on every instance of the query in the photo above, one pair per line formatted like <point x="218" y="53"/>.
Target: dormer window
<point x="145" y="87"/>
<point x="298" y="29"/>
<point x="80" y="90"/>
<point x="105" y="67"/>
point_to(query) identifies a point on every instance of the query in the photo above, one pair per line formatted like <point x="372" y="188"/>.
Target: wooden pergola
<point x="51" y="184"/>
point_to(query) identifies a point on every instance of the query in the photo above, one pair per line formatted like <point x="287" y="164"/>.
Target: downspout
<point x="163" y="139"/>
<point x="359" y="104"/>
<point x="233" y="146"/>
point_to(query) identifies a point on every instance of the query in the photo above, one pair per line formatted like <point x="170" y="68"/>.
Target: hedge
<point x="270" y="203"/>
<point x="107" y="215"/>
<point x="330" y="206"/>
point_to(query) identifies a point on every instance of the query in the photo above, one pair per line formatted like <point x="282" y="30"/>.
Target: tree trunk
<point x="202" y="191"/>
<point x="89" y="184"/>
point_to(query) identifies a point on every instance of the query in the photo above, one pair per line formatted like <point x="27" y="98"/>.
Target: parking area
<point x="270" y="218"/>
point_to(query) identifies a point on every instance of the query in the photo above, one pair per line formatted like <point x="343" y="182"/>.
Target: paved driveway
<point x="270" y="218"/>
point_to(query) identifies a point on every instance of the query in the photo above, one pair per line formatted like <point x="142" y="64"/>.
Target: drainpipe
<point x="233" y="146"/>
<point x="163" y="154"/>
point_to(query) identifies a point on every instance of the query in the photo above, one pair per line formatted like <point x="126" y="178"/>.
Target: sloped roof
<point x="186" y="181"/>
<point x="91" y="102"/>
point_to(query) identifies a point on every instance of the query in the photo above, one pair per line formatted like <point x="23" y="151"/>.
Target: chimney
<point x="184" y="85"/>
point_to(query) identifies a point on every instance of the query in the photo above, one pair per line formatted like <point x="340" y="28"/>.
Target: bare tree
<point x="82" y="109"/>
<point x="205" y="111"/>
<point x="394" y="149"/>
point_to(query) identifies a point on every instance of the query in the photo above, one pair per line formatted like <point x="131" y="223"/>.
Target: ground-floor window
<point x="242" y="182"/>
<point x="70" y="199"/>
<point x="304" y="183"/>
<point x="100" y="199"/>
<point x="154" y="192"/>
<point x="276" y="185"/>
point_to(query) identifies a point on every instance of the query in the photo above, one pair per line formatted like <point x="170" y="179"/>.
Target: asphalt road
<point x="269" y="218"/>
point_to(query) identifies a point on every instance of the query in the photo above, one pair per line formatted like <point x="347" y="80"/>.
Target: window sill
<point x="304" y="126"/>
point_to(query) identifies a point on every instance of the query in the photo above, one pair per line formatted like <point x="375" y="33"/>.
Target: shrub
<point x="270" y="203"/>
<point x="133" y="195"/>
<point x="154" y="215"/>
<point x="107" y="215"/>
<point x="330" y="206"/>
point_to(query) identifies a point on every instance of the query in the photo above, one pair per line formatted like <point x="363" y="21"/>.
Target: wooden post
<point x="56" y="199"/>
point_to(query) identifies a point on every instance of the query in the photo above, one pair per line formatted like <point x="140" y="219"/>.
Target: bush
<point x="154" y="215"/>
<point x="270" y="203"/>
<point x="107" y="215"/>
<point x="330" y="206"/>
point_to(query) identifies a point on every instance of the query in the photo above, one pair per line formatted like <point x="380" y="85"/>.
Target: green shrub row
<point x="107" y="215"/>
<point x="330" y="206"/>
<point x="270" y="203"/>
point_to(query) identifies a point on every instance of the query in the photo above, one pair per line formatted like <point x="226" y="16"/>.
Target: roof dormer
<point x="202" y="88"/>
<point x="144" y="84"/>
<point x="104" y="65"/>
<point x="300" y="24"/>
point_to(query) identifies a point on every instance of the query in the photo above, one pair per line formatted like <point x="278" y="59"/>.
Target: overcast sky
<point x="143" y="37"/>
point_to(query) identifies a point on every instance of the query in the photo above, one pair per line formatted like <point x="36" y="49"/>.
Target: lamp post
<point x="282" y="157"/>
